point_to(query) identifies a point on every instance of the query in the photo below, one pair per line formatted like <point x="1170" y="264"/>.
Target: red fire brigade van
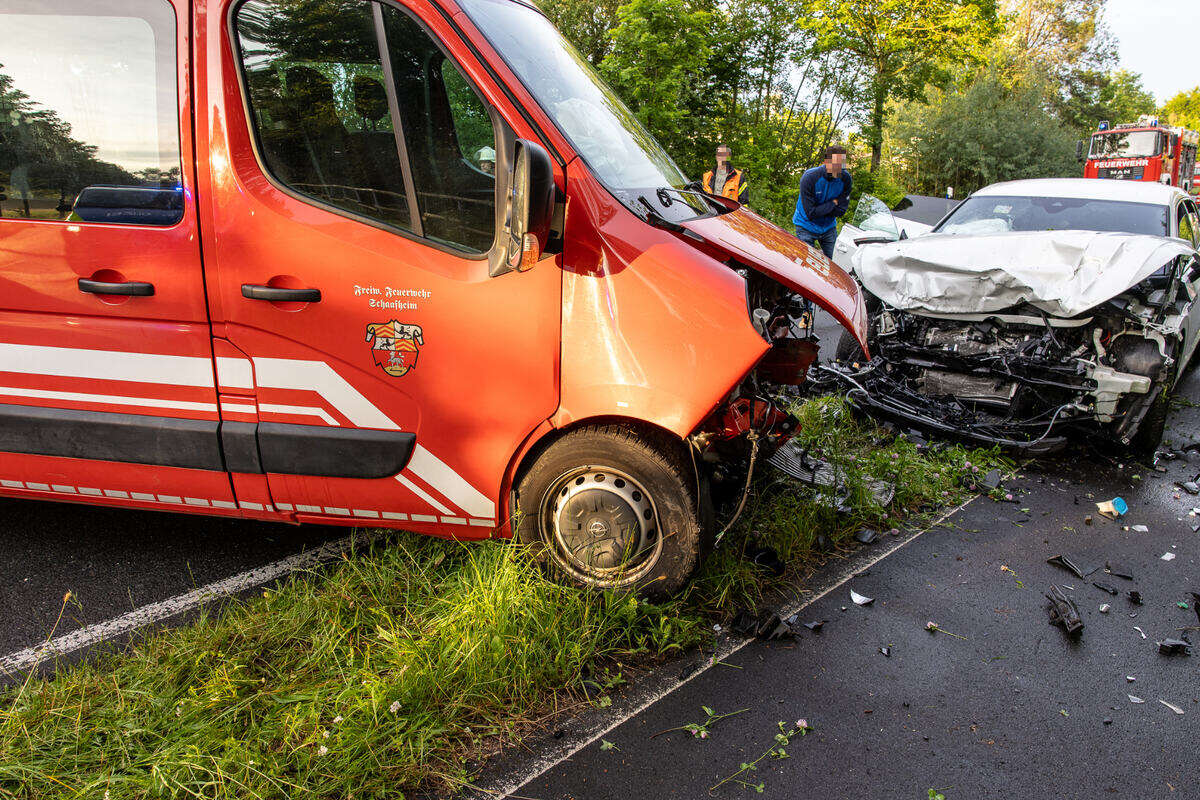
<point x="1143" y="151"/>
<point x="397" y="263"/>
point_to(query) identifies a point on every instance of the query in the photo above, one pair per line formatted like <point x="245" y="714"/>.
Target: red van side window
<point x="89" y="117"/>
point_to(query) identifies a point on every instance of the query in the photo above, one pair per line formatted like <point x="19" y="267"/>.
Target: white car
<point x="1033" y="308"/>
<point x="874" y="223"/>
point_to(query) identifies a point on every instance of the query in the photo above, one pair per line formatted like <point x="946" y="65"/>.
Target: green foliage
<point x="657" y="64"/>
<point x="898" y="46"/>
<point x="586" y="23"/>
<point x="1184" y="109"/>
<point x="1092" y="96"/>
<point x="985" y="132"/>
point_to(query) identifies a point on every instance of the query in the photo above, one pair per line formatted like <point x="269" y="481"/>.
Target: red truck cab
<point x="397" y="263"/>
<point x="1144" y="151"/>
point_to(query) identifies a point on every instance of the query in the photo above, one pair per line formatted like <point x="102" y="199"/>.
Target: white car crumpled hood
<point x="1063" y="273"/>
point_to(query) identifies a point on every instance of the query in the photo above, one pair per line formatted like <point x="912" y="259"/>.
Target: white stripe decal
<point x="424" y="495"/>
<point x="271" y="408"/>
<point x="113" y="400"/>
<point x="429" y="468"/>
<point x="69" y="362"/>
<point x="423" y="518"/>
<point x="234" y="373"/>
<point x="286" y="373"/>
<point x="272" y="373"/>
<point x="238" y="408"/>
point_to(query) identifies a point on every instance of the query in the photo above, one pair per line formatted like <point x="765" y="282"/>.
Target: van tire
<point x="604" y="477"/>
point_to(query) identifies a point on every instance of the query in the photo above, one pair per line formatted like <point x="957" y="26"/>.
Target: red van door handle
<point x="258" y="292"/>
<point x="130" y="288"/>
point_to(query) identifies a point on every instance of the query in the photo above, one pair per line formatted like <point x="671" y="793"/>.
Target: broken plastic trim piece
<point x="1175" y="647"/>
<point x="1063" y="611"/>
<point x="1070" y="566"/>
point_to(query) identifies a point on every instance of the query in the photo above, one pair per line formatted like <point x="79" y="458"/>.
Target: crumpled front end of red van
<point x="699" y="329"/>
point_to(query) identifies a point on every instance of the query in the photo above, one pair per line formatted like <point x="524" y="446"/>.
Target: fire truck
<point x="1144" y="151"/>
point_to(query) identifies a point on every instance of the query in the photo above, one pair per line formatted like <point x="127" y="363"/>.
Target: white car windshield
<point x="602" y="129"/>
<point x="997" y="214"/>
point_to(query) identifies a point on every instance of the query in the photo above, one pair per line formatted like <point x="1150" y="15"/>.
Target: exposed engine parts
<point x="1021" y="379"/>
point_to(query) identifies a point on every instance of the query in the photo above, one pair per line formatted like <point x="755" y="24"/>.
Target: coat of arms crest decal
<point x="394" y="346"/>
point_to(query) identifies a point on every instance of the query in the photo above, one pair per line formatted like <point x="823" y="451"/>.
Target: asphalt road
<point x="114" y="560"/>
<point x="1015" y="709"/>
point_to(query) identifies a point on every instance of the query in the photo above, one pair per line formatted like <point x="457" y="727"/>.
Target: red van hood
<point x="759" y="244"/>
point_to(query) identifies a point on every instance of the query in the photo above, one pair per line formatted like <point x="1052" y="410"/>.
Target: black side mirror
<point x="1079" y="150"/>
<point x="903" y="235"/>
<point x="528" y="207"/>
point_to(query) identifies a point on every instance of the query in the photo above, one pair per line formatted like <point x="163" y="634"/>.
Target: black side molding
<point x="240" y="445"/>
<point x="333" y="452"/>
<point x="243" y="447"/>
<point x="102" y="436"/>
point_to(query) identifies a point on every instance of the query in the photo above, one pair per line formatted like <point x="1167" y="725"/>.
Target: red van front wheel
<point x="609" y="507"/>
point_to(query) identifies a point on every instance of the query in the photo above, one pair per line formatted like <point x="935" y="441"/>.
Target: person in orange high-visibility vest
<point x="726" y="180"/>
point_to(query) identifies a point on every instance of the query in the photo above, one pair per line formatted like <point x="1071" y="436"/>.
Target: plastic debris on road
<point x="1104" y="587"/>
<point x="1118" y="570"/>
<point x="1175" y="647"/>
<point x="1135" y="597"/>
<point x="1063" y="611"/>
<point x="1136" y="700"/>
<point x="861" y="599"/>
<point x="1070" y="566"/>
<point x="1172" y="706"/>
<point x="1112" y="508"/>
<point x="1168" y="556"/>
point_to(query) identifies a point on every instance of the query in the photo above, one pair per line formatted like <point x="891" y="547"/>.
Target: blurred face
<point x="723" y="155"/>
<point x="488" y="166"/>
<point x="834" y="163"/>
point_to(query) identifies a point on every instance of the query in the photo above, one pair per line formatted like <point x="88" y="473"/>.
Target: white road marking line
<point x="577" y="741"/>
<point x="157" y="612"/>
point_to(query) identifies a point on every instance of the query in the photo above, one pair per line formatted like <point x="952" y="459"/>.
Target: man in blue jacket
<point x="824" y="196"/>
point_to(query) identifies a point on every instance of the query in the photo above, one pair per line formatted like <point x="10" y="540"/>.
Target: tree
<point x="1093" y="96"/>
<point x="1183" y="109"/>
<point x="986" y="132"/>
<point x="586" y="23"/>
<point x="898" y="47"/>
<point x="658" y="64"/>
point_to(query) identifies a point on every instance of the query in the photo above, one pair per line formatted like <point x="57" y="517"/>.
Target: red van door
<point x="349" y="218"/>
<point x="106" y="379"/>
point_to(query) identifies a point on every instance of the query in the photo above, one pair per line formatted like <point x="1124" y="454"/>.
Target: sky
<point x="99" y="74"/>
<point x="1160" y="40"/>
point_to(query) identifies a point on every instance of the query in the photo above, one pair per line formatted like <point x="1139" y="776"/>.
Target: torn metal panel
<point x="1062" y="273"/>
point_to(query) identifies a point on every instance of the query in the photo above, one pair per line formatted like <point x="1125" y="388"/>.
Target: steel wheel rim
<point x="600" y="547"/>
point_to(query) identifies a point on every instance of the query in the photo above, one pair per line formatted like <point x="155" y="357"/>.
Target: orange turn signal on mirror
<point x="531" y="251"/>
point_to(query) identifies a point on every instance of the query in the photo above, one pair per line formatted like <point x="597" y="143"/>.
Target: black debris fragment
<point x="765" y="558"/>
<point x="1117" y="570"/>
<point x="1135" y="597"/>
<point x="866" y="535"/>
<point x="1063" y="611"/>
<point x="816" y="625"/>
<point x="762" y="626"/>
<point x="990" y="481"/>
<point x="1191" y="487"/>
<point x="1104" y="587"/>
<point x="1175" y="647"/>
<point x="1196" y="604"/>
<point x="1070" y="566"/>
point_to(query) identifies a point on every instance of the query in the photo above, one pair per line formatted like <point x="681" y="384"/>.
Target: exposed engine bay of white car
<point x="1013" y="339"/>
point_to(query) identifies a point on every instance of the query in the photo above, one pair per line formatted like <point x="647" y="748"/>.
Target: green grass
<point x="386" y="671"/>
